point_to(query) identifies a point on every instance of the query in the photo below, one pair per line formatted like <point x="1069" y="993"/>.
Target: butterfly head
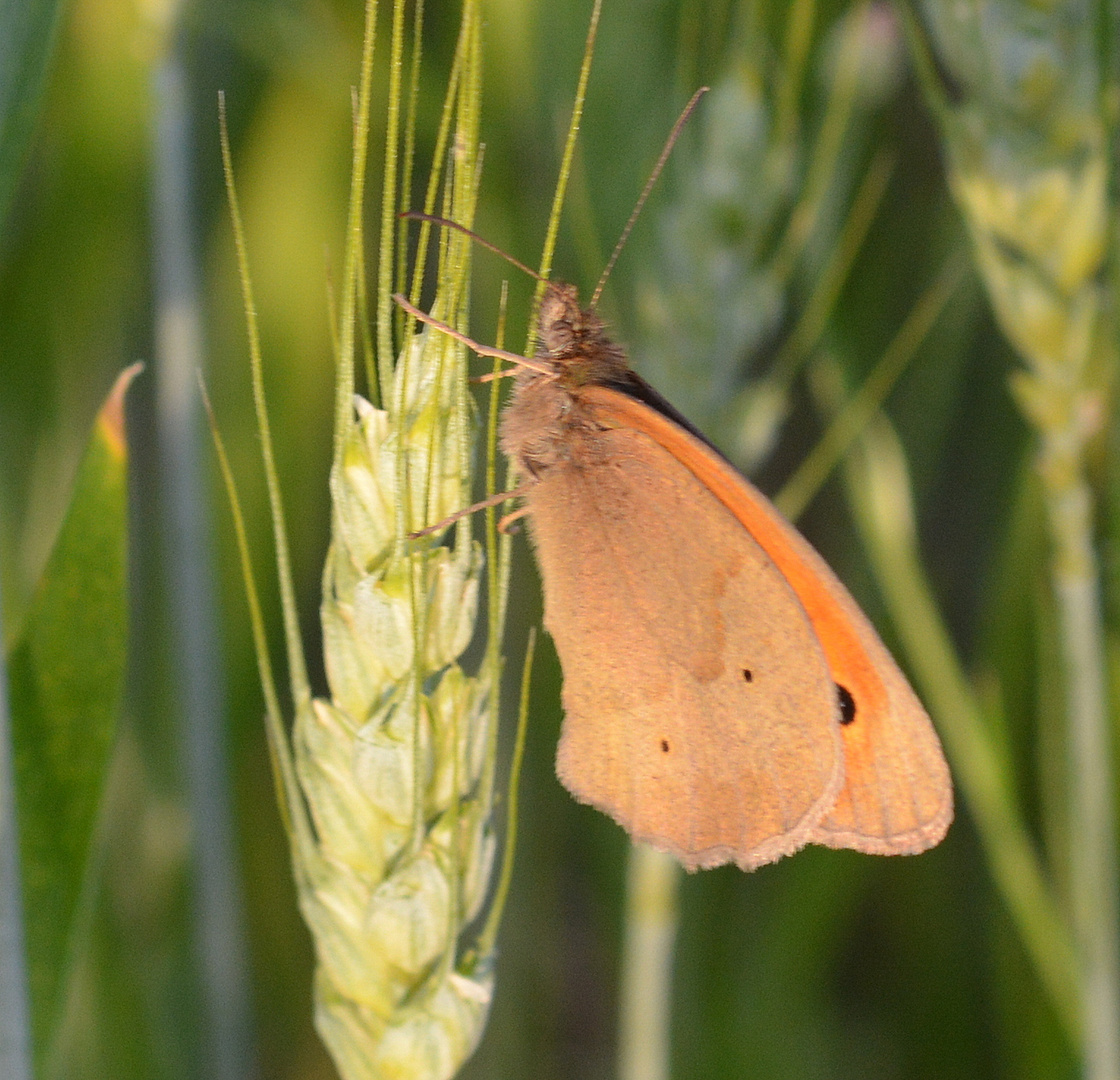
<point x="573" y="339"/>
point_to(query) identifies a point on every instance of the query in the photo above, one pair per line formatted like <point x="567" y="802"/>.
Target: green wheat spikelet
<point x="392" y="766"/>
<point x="386" y="785"/>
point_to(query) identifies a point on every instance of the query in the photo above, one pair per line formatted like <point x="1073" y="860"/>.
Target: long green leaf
<point x="65" y="675"/>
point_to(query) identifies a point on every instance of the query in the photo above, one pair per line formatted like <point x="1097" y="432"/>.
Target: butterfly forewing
<point x="699" y="709"/>
<point x="897" y="796"/>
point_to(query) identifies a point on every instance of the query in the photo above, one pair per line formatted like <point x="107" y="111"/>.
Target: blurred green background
<point x="827" y="964"/>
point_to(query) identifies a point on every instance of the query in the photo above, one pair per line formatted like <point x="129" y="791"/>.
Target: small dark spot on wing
<point x="847" y="704"/>
<point x="748" y="675"/>
<point x="664" y="746"/>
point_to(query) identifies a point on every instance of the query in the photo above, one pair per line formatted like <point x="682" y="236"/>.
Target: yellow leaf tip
<point x="111" y="417"/>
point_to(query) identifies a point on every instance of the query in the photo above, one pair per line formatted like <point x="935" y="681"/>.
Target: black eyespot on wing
<point x="847" y="704"/>
<point x="664" y="746"/>
<point x="748" y="675"/>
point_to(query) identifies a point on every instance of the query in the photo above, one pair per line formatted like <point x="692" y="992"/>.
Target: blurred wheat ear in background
<point x="1021" y="98"/>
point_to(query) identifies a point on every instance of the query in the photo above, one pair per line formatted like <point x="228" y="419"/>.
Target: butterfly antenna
<point x="673" y="136"/>
<point x="416" y="215"/>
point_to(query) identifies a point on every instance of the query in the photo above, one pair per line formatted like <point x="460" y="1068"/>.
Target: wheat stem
<point x="652" y="885"/>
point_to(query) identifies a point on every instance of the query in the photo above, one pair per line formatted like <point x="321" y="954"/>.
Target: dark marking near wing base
<point x="847" y="704"/>
<point x="748" y="675"/>
<point x="664" y="746"/>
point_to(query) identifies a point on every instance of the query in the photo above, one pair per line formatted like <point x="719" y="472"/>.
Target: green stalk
<point x="827" y="143"/>
<point x="566" y="160"/>
<point x="217" y="915"/>
<point x="645" y="1017"/>
<point x="1093" y="865"/>
<point x="489" y="935"/>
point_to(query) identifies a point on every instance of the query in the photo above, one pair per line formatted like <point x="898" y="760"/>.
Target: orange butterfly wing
<point x="897" y="794"/>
